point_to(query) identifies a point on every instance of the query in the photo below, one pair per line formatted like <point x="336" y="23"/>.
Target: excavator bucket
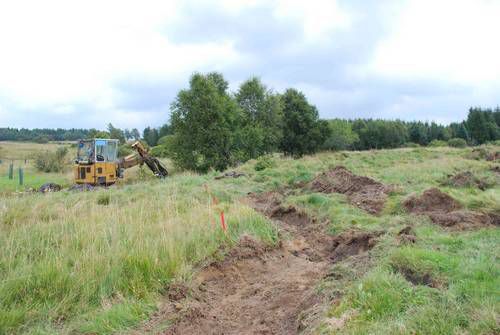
<point x="156" y="166"/>
<point x="153" y="163"/>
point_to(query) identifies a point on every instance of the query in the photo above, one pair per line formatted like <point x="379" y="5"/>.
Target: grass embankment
<point x="97" y="262"/>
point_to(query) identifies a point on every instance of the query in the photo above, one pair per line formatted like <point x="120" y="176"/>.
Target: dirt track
<point x="256" y="290"/>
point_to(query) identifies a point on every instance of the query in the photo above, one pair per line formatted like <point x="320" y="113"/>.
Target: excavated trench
<point x="261" y="290"/>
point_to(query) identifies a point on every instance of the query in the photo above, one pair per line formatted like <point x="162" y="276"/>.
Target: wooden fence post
<point x="11" y="170"/>
<point x="21" y="176"/>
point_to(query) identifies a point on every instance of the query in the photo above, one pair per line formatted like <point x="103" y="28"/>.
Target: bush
<point x="125" y="150"/>
<point x="411" y="145"/>
<point x="437" y="143"/>
<point x="51" y="161"/>
<point x="457" y="143"/>
<point x="164" y="147"/>
<point x="41" y="139"/>
<point x="159" y="151"/>
<point x="264" y="162"/>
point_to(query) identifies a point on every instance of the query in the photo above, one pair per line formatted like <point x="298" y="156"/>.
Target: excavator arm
<point x="142" y="156"/>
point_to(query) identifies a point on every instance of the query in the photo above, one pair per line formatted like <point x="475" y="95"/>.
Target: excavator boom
<point x="142" y="157"/>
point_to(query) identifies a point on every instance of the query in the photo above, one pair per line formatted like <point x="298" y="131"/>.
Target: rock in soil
<point x="49" y="187"/>
<point x="361" y="191"/>
<point x="443" y="210"/>
<point x="82" y="187"/>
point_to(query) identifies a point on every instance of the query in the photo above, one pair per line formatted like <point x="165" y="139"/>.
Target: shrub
<point x="437" y="143"/>
<point x="41" y="139"/>
<point x="103" y="199"/>
<point x="124" y="150"/>
<point x="159" y="151"/>
<point x="51" y="161"/>
<point x="411" y="145"/>
<point x="264" y="162"/>
<point x="457" y="143"/>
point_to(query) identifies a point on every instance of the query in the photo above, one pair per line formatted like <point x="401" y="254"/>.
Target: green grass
<point x="98" y="262"/>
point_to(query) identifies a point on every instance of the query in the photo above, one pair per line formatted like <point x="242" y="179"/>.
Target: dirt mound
<point x="361" y="191"/>
<point x="247" y="247"/>
<point x="493" y="156"/>
<point x="407" y="235"/>
<point x="447" y="212"/>
<point x="465" y="179"/>
<point x="352" y="243"/>
<point x="483" y="153"/>
<point x="432" y="200"/>
<point x="464" y="219"/>
<point x="265" y="202"/>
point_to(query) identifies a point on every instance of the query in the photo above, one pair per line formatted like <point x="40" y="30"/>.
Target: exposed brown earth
<point x="407" y="235"/>
<point x="361" y="191"/>
<point x="465" y="179"/>
<point x="432" y="200"/>
<point x="446" y="211"/>
<point x="257" y="289"/>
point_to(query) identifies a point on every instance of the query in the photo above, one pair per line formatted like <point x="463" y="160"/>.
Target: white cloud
<point x="59" y="52"/>
<point x="454" y="40"/>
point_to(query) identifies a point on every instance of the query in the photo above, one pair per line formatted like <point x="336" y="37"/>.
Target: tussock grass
<point x="96" y="260"/>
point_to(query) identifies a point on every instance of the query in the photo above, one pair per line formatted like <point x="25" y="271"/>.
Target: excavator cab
<point x="96" y="162"/>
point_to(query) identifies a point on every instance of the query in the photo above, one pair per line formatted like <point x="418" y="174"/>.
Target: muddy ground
<point x="443" y="210"/>
<point x="361" y="191"/>
<point x="258" y="290"/>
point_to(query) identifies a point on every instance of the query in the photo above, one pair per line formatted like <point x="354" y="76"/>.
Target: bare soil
<point x="261" y="290"/>
<point x="443" y="210"/>
<point x="465" y="179"/>
<point x="363" y="192"/>
<point x="420" y="278"/>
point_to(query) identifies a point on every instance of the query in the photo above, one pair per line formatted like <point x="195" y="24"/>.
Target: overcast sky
<point x="85" y="63"/>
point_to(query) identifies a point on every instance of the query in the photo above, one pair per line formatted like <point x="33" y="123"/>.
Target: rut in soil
<point x="258" y="290"/>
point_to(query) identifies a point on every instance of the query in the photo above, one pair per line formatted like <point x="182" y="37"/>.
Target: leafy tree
<point x="150" y="135"/>
<point x="94" y="133"/>
<point x="342" y="137"/>
<point x="481" y="125"/>
<point x="135" y="134"/>
<point x="261" y="122"/>
<point x="165" y="130"/>
<point x="302" y="131"/>
<point x="204" y="119"/>
<point x="116" y="133"/>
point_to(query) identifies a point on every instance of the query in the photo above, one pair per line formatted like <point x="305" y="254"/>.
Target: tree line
<point x="213" y="128"/>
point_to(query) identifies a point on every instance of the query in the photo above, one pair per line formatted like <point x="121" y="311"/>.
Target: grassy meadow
<point x="98" y="262"/>
<point x="22" y="154"/>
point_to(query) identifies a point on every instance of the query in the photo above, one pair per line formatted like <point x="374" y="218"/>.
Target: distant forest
<point x="213" y="128"/>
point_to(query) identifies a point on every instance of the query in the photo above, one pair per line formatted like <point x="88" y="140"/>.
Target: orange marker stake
<point x="223" y="222"/>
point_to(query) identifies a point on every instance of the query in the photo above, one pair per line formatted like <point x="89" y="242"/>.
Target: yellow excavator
<point x="97" y="162"/>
